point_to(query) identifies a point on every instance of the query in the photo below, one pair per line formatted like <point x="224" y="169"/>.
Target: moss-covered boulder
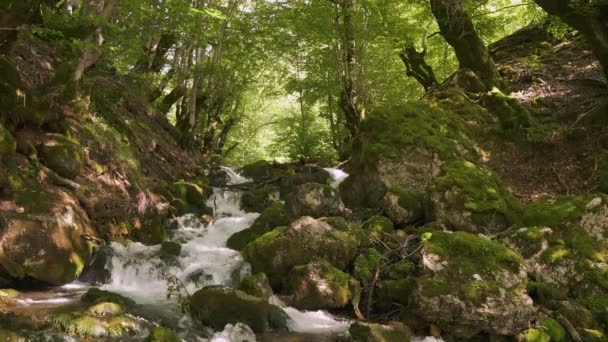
<point x="310" y="175"/>
<point x="217" y="306"/>
<point x="97" y="324"/>
<point x="565" y="243"/>
<point x="62" y="154"/>
<point x="372" y="332"/>
<point x="254" y="201"/>
<point x="7" y="142"/>
<point x="403" y="207"/>
<point x="272" y="217"/>
<point x="187" y="197"/>
<point x="277" y="252"/>
<point x="150" y="229"/>
<point x="378" y="226"/>
<point x="96" y="296"/>
<point x="405" y="146"/>
<point x="256" y="285"/>
<point x="314" y="199"/>
<point x="319" y="285"/>
<point x="471" y="198"/>
<point x="51" y="241"/>
<point x="510" y="112"/>
<point x="471" y="285"/>
<point x="263" y="169"/>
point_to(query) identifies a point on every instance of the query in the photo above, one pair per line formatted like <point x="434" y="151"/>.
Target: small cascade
<point x="141" y="273"/>
<point x="312" y="322"/>
<point x="235" y="178"/>
<point x="337" y="175"/>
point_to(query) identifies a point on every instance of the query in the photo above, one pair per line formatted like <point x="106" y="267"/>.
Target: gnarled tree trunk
<point x="417" y="67"/>
<point x="458" y="30"/>
<point x="589" y="19"/>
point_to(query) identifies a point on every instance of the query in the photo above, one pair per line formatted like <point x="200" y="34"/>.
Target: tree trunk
<point x="349" y="100"/>
<point x="589" y="19"/>
<point x="458" y="30"/>
<point x="417" y="67"/>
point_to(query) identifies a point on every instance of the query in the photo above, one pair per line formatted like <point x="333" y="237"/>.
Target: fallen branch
<point x="58" y="180"/>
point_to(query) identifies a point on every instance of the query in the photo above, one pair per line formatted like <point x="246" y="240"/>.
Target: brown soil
<point x="560" y="80"/>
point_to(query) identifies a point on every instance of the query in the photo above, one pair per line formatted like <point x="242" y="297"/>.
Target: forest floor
<point x="559" y="154"/>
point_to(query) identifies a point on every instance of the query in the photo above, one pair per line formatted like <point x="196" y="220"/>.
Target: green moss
<point x="162" y="334"/>
<point x="480" y="191"/>
<point x="257" y="200"/>
<point x="511" y="113"/>
<point x="366" y="265"/>
<point x="63" y="155"/>
<point x="554" y="211"/>
<point x="593" y="335"/>
<point x="553" y="329"/>
<point x="105" y="309"/>
<point x="91" y="326"/>
<point x="395" y="291"/>
<point x="335" y="288"/>
<point x="272" y="217"/>
<point x="468" y="255"/>
<point x="256" y="285"/>
<point x="217" y="306"/>
<point x="378" y="225"/>
<point x="536" y="335"/>
<point x="392" y="129"/>
<point x="95" y="296"/>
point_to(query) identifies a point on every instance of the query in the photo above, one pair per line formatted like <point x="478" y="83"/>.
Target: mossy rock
<point x="256" y="285"/>
<point x="187" y="197"/>
<point x="314" y="199"/>
<point x="472" y="198"/>
<point x="63" y="155"/>
<point x="105" y="309"/>
<point x="378" y="225"/>
<point x="372" y="332"/>
<point x="553" y="329"/>
<point x="50" y="245"/>
<point x="290" y="183"/>
<point x="170" y="249"/>
<point x="403" y="207"/>
<point x="257" y="200"/>
<point x="469" y="285"/>
<point x="96" y="296"/>
<point x="319" y="285"/>
<point x="151" y="230"/>
<point x="569" y="242"/>
<point x="217" y="306"/>
<point x="85" y="325"/>
<point x="263" y="169"/>
<point x="510" y="112"/>
<point x="277" y="252"/>
<point x="162" y="334"/>
<point x="272" y="217"/>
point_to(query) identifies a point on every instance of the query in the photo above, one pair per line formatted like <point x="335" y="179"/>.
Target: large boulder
<point x="308" y="175"/>
<point x="263" y="169"/>
<point x="52" y="245"/>
<point x="187" y="197"/>
<point x="406" y="146"/>
<point x="563" y="243"/>
<point x="314" y="199"/>
<point x="319" y="285"/>
<point x="472" y="198"/>
<point x="217" y="306"/>
<point x="256" y="200"/>
<point x="271" y="218"/>
<point x="403" y="207"/>
<point x="277" y="252"/>
<point x="471" y="285"/>
<point x="62" y="154"/>
<point x="256" y="285"/>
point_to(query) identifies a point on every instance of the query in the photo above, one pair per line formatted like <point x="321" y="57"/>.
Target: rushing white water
<point x="313" y="322"/>
<point x="139" y="271"/>
<point x="235" y="178"/>
<point x="337" y="175"/>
